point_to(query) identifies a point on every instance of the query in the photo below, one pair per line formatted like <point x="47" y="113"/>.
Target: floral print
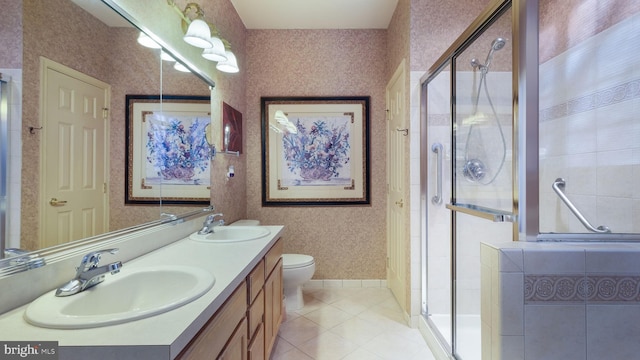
<point x="177" y="147"/>
<point x="319" y="151"/>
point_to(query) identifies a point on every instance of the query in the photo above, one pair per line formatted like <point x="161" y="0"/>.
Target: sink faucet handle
<point x="92" y="259"/>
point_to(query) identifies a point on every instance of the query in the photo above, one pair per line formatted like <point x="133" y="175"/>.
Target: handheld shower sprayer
<point x="496" y="45"/>
<point x="474" y="169"/>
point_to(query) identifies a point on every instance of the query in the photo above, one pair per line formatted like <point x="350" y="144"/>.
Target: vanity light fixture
<point x="166" y="57"/>
<point x="216" y="52"/>
<point x="178" y="66"/>
<point x="146" y="41"/>
<point x="283" y="120"/>
<point x="198" y="34"/>
<point x="230" y="65"/>
<point x="203" y="34"/>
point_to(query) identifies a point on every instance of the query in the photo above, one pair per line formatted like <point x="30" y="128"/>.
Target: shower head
<point x="496" y="45"/>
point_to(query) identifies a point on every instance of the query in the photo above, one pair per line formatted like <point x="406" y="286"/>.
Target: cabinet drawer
<point x="256" y="346"/>
<point x="255" y="313"/>
<point x="255" y="281"/>
<point x="273" y="256"/>
<point x="214" y="335"/>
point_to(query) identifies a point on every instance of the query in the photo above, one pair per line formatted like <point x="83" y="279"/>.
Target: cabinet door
<point x="272" y="307"/>
<point x="236" y="348"/>
<point x="215" y="334"/>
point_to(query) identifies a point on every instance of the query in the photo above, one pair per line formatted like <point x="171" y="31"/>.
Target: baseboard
<point x="345" y="283"/>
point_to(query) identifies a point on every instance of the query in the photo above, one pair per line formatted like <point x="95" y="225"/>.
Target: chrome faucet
<point x="88" y="274"/>
<point x="210" y="223"/>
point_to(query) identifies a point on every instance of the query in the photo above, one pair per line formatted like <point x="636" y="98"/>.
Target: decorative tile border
<point x="578" y="288"/>
<point x="598" y="99"/>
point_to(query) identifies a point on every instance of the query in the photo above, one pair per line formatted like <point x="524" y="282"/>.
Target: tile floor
<point x="349" y="324"/>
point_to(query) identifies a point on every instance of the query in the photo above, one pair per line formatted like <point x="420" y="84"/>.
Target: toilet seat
<point x="294" y="261"/>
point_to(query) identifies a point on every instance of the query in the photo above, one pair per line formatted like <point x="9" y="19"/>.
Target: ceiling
<point x="315" y="14"/>
<point x="288" y="14"/>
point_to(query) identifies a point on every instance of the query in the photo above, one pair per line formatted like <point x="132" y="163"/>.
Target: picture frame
<point x="315" y="151"/>
<point x="168" y="157"/>
<point x="231" y="129"/>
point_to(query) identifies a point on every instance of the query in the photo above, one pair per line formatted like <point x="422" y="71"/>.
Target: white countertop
<point x="159" y="336"/>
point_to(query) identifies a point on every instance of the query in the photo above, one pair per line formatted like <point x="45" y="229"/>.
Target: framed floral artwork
<point x="167" y="153"/>
<point x="315" y="151"/>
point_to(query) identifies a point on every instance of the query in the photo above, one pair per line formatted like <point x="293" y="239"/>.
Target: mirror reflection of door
<point x="74" y="116"/>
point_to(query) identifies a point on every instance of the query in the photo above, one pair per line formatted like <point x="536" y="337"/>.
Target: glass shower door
<point x="438" y="296"/>
<point x="482" y="197"/>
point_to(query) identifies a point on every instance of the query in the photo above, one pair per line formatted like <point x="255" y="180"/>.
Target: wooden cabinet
<point x="256" y="346"/>
<point x="211" y="340"/>
<point x="255" y="312"/>
<point x="236" y="348"/>
<point x="272" y="296"/>
<point x="246" y="325"/>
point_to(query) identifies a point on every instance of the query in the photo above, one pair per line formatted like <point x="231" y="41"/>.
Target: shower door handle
<point x="437" y="198"/>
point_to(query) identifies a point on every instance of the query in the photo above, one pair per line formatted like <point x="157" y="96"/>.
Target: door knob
<point x="400" y="203"/>
<point x="56" y="202"/>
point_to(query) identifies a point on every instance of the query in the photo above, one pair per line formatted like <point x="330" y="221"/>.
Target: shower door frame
<point x="525" y="190"/>
<point x="4" y="157"/>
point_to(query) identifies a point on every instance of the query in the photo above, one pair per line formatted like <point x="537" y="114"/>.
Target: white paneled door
<point x="397" y="145"/>
<point x="74" y="163"/>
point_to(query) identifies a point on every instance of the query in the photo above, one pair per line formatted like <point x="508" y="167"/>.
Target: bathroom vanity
<point x="246" y="326"/>
<point x="237" y="318"/>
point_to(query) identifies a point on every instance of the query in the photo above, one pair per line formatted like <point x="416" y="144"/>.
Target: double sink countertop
<point x="161" y="336"/>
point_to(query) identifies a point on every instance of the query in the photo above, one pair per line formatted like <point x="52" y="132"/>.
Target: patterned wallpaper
<point x="580" y="21"/>
<point x="346" y="242"/>
<point x="435" y="25"/>
<point x="10" y="35"/>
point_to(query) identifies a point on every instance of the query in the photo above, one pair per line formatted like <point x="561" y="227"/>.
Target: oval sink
<point x="224" y="234"/>
<point x="126" y="296"/>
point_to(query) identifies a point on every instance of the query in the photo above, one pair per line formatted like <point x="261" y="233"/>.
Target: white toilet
<point x="297" y="269"/>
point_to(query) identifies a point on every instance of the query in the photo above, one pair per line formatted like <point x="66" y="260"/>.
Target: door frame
<point x="399" y="75"/>
<point x="45" y="65"/>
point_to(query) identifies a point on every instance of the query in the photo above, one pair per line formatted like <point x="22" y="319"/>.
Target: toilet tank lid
<point x="296" y="260"/>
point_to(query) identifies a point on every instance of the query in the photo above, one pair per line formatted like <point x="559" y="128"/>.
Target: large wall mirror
<point x="87" y="37"/>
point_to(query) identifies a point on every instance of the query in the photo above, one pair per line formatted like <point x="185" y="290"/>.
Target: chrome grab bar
<point x="437" y="198"/>
<point x="558" y="186"/>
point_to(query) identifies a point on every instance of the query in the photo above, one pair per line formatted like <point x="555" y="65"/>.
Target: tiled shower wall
<point x="590" y="131"/>
<point x="560" y="301"/>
